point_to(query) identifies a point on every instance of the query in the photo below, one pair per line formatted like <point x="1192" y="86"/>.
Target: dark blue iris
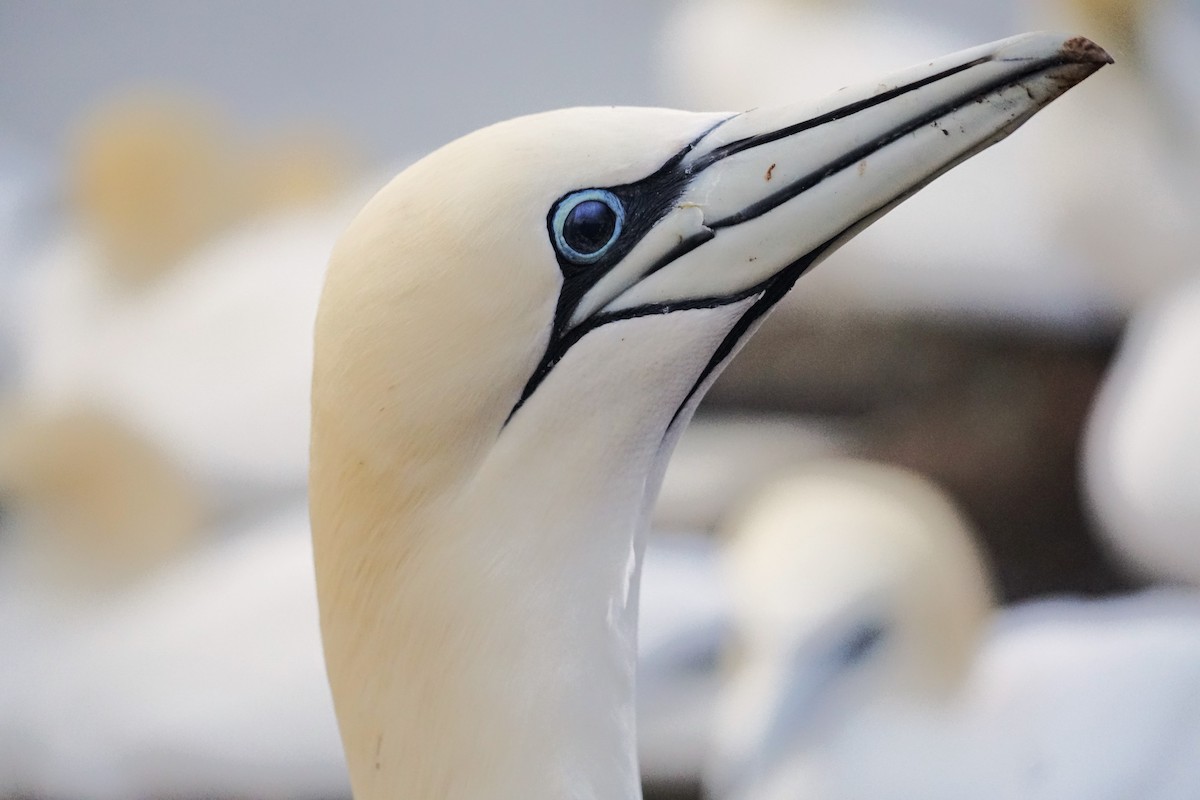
<point x="586" y="224"/>
<point x="589" y="227"/>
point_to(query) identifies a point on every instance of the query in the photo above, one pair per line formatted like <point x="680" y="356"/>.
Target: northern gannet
<point x="866" y="662"/>
<point x="150" y="178"/>
<point x="511" y="337"/>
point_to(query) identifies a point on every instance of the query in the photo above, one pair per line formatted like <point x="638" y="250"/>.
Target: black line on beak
<point x="848" y="110"/>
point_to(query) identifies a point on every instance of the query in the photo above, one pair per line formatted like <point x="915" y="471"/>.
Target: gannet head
<point x="512" y="334"/>
<point x="854" y="585"/>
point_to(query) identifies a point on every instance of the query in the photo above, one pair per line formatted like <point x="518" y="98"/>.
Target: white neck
<point x="484" y="644"/>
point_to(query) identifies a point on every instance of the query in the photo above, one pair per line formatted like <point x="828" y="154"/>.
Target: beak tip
<point x="1081" y="50"/>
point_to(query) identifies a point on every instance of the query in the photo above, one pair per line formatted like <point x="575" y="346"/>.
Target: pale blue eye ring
<point x="586" y="224"/>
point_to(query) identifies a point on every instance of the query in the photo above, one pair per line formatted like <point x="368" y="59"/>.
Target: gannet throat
<point x="512" y="335"/>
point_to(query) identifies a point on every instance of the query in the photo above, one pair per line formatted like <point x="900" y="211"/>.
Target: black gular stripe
<point x="647" y="201"/>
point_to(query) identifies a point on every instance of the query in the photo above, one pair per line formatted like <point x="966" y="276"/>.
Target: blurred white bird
<point x="1141" y="459"/>
<point x="1031" y="231"/>
<point x="718" y="463"/>
<point x="867" y="662"/>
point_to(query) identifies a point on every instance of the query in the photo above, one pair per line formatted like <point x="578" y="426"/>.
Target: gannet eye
<point x="586" y="224"/>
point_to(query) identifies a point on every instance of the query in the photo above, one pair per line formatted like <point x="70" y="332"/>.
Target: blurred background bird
<point x="169" y="194"/>
<point x="867" y="660"/>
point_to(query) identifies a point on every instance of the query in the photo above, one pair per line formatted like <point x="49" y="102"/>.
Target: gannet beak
<point x="774" y="190"/>
<point x="768" y="193"/>
<point x="742" y="211"/>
